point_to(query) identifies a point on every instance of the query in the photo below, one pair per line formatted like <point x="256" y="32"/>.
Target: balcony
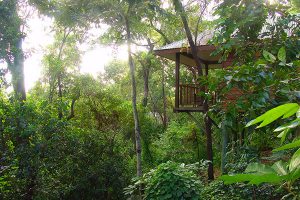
<point x="188" y="99"/>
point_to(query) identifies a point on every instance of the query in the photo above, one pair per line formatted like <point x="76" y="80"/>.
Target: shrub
<point x="169" y="180"/>
<point x="217" y="190"/>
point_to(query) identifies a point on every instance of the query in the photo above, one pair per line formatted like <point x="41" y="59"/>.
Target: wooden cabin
<point x="187" y="98"/>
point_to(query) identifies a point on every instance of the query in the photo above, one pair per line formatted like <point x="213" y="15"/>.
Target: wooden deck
<point x="189" y="109"/>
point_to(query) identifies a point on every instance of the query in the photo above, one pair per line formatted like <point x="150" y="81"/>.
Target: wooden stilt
<point x="208" y="126"/>
<point x="177" y="75"/>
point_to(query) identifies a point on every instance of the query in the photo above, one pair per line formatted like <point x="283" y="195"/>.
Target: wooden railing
<point x="189" y="95"/>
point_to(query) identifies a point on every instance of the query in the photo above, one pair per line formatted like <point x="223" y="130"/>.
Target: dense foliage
<point x="169" y="180"/>
<point x="114" y="135"/>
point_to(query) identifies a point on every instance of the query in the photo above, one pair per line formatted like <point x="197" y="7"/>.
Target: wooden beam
<point x="190" y="109"/>
<point x="177" y="76"/>
<point x="178" y="50"/>
<point x="214" y="62"/>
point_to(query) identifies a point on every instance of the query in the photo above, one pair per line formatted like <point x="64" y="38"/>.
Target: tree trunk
<point x="15" y="56"/>
<point x="60" y="96"/>
<point x="18" y="77"/>
<point x="146" y="70"/>
<point x="180" y="10"/>
<point x="165" y="118"/>
<point x="134" y="105"/>
<point x="208" y="130"/>
<point x="59" y="78"/>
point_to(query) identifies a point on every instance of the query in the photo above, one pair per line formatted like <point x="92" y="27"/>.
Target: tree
<point x="180" y="10"/>
<point x="126" y="19"/>
<point x="61" y="65"/>
<point x="121" y="15"/>
<point x="11" y="39"/>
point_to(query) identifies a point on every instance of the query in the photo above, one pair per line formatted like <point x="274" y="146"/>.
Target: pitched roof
<point x="205" y="49"/>
<point x="202" y="39"/>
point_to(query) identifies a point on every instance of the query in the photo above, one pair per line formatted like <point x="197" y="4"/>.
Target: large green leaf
<point x="280" y="168"/>
<point x="288" y="146"/>
<point x="266" y="178"/>
<point x="295" y="174"/>
<point x="285" y="110"/>
<point x="252" y="178"/>
<point x="290" y="125"/>
<point x="295" y="161"/>
<point x="291" y="112"/>
<point x="282" y="54"/>
<point x="257" y="173"/>
<point x="269" y="57"/>
<point x="259" y="168"/>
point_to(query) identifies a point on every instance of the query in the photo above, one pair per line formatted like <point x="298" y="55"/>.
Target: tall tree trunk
<point x="146" y="72"/>
<point x="134" y="105"/>
<point x="60" y="73"/>
<point x="15" y="56"/>
<point x="165" y="117"/>
<point x="60" y="96"/>
<point x="18" y="77"/>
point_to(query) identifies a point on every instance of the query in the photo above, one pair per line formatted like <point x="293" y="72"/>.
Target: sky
<point x="39" y="36"/>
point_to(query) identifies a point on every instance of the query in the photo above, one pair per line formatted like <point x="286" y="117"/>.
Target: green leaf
<point x="259" y="168"/>
<point x="259" y="173"/>
<point x="288" y="146"/>
<point x="282" y="54"/>
<point x="283" y="135"/>
<point x="295" y="161"/>
<point x="295" y="174"/>
<point x="268" y="56"/>
<point x="273" y="114"/>
<point x="280" y="168"/>
<point x="290" y="125"/>
<point x="252" y="178"/>
<point x="236" y="178"/>
<point x="291" y="112"/>
<point x="266" y="178"/>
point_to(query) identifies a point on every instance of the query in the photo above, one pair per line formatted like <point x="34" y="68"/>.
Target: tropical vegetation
<point x="114" y="135"/>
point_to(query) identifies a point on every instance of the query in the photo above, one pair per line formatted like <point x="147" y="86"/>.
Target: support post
<point x="224" y="132"/>
<point x="177" y="75"/>
<point x="208" y="126"/>
<point x="206" y="69"/>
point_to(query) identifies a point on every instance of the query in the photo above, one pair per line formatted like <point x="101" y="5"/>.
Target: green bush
<point x="183" y="138"/>
<point x="169" y="181"/>
<point x="217" y="190"/>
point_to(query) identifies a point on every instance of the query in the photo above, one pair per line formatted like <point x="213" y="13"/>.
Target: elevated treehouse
<point x="187" y="91"/>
